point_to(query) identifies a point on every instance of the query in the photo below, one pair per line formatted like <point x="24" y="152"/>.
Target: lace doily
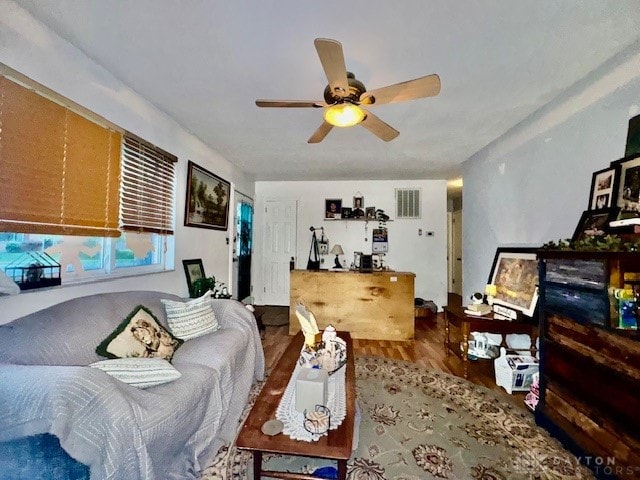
<point x="293" y="420"/>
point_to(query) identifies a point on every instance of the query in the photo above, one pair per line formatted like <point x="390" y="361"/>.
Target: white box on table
<point x="311" y="389"/>
<point x="515" y="373"/>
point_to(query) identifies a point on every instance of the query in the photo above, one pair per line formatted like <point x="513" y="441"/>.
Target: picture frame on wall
<point x="593" y="223"/>
<point x="602" y="189"/>
<point x="370" y="213"/>
<point x="358" y="207"/>
<point x="627" y="189"/>
<point x="207" y="203"/>
<point x="515" y="274"/>
<point x="346" y="212"/>
<point x="332" y="208"/>
<point x="193" y="270"/>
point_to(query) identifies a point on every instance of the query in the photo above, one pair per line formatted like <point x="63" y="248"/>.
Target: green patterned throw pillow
<point x="139" y="335"/>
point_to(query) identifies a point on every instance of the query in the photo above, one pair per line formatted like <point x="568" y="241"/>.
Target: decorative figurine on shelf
<point x="221" y="291"/>
<point x="477" y="307"/>
<point x="382" y="218"/>
<point x="476" y="298"/>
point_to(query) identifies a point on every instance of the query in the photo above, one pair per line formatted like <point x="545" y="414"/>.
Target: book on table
<point x="478" y="309"/>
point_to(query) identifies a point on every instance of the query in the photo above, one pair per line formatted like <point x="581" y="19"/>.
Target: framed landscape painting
<point x="515" y="274"/>
<point x="207" y="204"/>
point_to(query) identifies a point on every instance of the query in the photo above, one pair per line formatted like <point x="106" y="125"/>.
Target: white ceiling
<point x="204" y="62"/>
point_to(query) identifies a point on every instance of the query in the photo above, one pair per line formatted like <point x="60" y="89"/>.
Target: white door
<point x="279" y="246"/>
<point x="456" y="250"/>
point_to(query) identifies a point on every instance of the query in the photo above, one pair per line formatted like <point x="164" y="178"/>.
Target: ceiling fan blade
<point x="320" y="133"/>
<point x="289" y="103"/>
<point x="332" y="59"/>
<point x="379" y="128"/>
<point x="428" y="86"/>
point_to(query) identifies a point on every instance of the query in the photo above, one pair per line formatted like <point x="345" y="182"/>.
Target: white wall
<point x="423" y="255"/>
<point x="531" y="185"/>
<point x="35" y="51"/>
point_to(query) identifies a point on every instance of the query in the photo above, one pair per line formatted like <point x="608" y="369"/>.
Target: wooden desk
<point x="375" y="306"/>
<point x="455" y="317"/>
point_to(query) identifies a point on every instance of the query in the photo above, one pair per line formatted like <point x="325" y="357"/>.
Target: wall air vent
<point x="407" y="203"/>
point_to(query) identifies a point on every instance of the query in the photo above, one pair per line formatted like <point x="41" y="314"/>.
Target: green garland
<point x="607" y="243"/>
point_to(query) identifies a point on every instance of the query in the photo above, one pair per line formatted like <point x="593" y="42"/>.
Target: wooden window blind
<point x="59" y="172"/>
<point x="148" y="187"/>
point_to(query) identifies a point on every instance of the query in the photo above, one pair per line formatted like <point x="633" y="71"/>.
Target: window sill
<point x="87" y="281"/>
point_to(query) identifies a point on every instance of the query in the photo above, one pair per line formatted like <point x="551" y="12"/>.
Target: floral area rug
<point x="421" y="424"/>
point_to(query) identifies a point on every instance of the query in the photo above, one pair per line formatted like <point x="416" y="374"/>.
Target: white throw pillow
<point x="191" y="319"/>
<point x="139" y="372"/>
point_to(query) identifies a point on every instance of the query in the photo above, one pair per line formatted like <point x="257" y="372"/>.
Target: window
<point x="147" y="190"/>
<point x="88" y="258"/>
<point x="67" y="184"/>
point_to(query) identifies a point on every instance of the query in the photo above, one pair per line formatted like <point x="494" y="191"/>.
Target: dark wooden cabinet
<point x="590" y="368"/>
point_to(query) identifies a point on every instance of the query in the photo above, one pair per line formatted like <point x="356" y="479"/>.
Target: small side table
<point x="456" y="318"/>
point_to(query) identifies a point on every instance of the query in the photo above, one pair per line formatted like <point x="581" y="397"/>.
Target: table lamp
<point x="337" y="251"/>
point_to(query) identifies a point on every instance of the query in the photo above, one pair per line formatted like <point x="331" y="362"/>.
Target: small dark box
<point x="366" y="263"/>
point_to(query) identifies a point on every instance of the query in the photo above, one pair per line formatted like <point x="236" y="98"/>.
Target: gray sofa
<point x="49" y="398"/>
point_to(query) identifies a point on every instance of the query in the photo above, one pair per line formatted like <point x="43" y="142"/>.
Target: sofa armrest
<point x="233" y="314"/>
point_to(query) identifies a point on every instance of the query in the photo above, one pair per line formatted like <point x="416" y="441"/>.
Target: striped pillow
<point x="191" y="319"/>
<point x="139" y="372"/>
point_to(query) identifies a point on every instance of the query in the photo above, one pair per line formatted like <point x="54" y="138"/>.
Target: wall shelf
<point x="354" y="220"/>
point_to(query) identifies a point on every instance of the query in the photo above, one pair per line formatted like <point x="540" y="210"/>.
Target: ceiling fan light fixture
<point x="344" y="115"/>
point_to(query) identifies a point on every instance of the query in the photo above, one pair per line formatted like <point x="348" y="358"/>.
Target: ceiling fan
<point x="344" y="96"/>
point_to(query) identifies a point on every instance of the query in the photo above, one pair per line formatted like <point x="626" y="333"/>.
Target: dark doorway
<point x="244" y="245"/>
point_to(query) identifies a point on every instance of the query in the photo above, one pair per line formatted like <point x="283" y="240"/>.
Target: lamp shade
<point x="344" y="115"/>
<point x="337" y="250"/>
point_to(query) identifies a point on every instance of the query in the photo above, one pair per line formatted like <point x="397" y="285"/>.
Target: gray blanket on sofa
<point x="170" y="431"/>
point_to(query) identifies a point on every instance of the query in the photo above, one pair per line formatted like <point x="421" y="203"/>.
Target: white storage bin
<point x="515" y="373"/>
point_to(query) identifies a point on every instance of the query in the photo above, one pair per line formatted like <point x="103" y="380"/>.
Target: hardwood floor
<point x="427" y="350"/>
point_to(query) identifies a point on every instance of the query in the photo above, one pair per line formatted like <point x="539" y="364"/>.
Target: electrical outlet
<point x="419" y="232"/>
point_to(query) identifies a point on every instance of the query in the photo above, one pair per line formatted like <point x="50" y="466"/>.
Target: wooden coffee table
<point x="337" y="445"/>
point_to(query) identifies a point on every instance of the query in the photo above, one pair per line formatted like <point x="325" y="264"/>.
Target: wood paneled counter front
<point x="375" y="306"/>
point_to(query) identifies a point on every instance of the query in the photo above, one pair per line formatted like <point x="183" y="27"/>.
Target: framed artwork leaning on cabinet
<point x="515" y="274"/>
